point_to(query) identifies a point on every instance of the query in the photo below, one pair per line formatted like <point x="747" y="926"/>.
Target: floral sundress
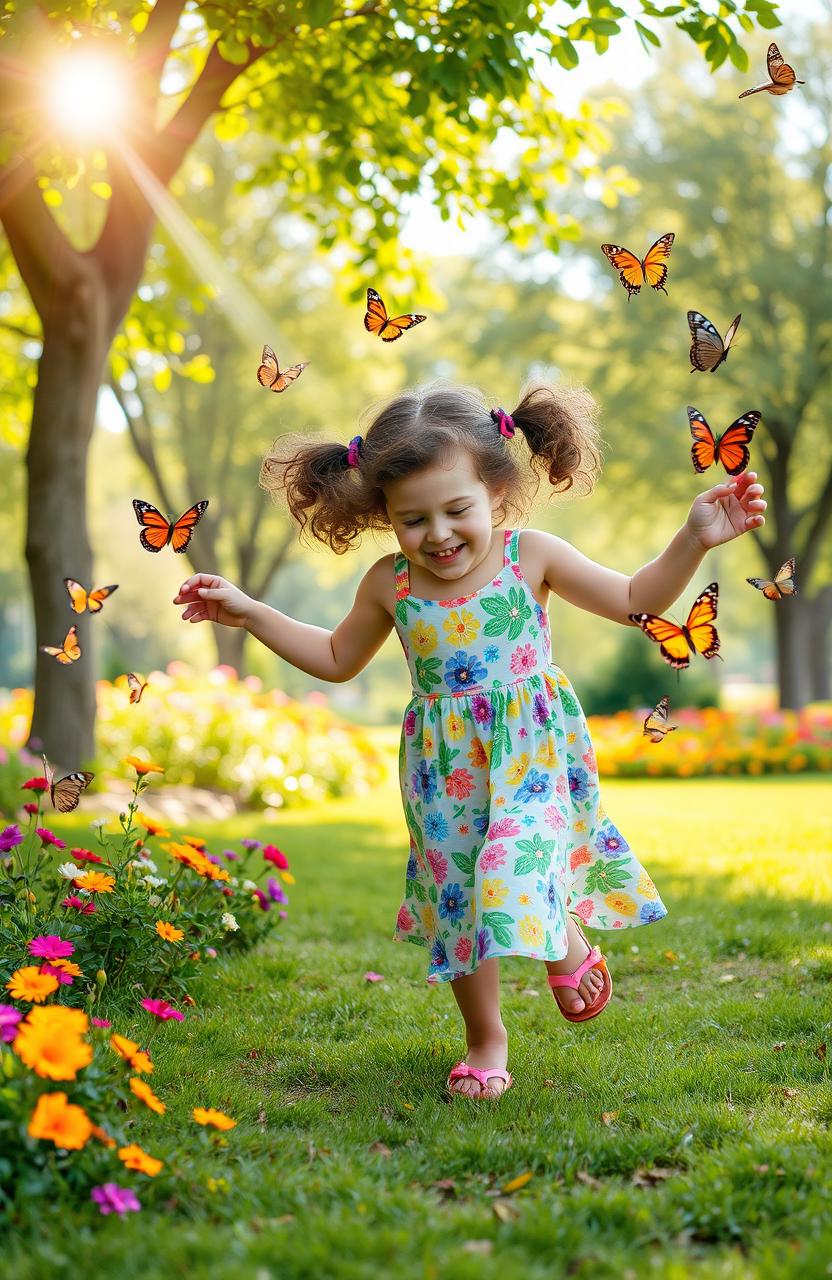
<point x="500" y="786"/>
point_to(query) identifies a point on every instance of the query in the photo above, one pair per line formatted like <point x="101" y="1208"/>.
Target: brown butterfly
<point x="707" y="349"/>
<point x="783" y="584"/>
<point x="633" y="272"/>
<point x="157" y="531"/>
<point x="136" y="686"/>
<point x="66" y="792"/>
<point x="377" y="320"/>
<point x="781" y="76"/>
<point x="80" y="599"/>
<point x="698" y="635"/>
<point x="269" y="374"/>
<point x="655" y="725"/>
<point x="69" y="652"/>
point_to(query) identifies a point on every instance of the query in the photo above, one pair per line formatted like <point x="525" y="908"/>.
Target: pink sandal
<point x="462" y="1070"/>
<point x="595" y="960"/>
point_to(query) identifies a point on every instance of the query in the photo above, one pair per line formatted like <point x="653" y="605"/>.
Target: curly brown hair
<point x="425" y="427"/>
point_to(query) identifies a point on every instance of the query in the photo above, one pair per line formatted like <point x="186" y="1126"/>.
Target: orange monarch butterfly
<point x="66" y="792"/>
<point x="80" y="599"/>
<point x="707" y="349"/>
<point x="730" y="448"/>
<point x="269" y="375"/>
<point x="157" y="532"/>
<point x="678" y="644"/>
<point x="136" y="687"/>
<point x="377" y="321"/>
<point x="783" y="584"/>
<point x="655" y="725"/>
<point x="70" y="650"/>
<point x="633" y="273"/>
<point x="781" y="79"/>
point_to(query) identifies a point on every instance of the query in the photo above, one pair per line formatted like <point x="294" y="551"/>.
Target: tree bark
<point x="792" y="621"/>
<point x="819" y="644"/>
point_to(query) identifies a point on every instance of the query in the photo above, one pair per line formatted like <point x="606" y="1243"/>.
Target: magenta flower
<point x="48" y="838"/>
<point x="10" y="838"/>
<point x="100" y="1022"/>
<point x="51" y="947"/>
<point x="215" y="858"/>
<point x="86" y="907"/>
<point x="64" y="979"/>
<point x="161" y="1009"/>
<point x="283" y="914"/>
<point x="111" y="1198"/>
<point x="373" y="977"/>
<point x="35" y="784"/>
<point x="272" y="854"/>
<point x="262" y="900"/>
<point x="211" y="953"/>
<point x="250" y="844"/>
<point x="275" y="889"/>
<point x="230" y="855"/>
<point x="9" y="1018"/>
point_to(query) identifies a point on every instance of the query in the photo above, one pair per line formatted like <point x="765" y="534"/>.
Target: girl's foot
<point x="485" y="1056"/>
<point x="591" y="983"/>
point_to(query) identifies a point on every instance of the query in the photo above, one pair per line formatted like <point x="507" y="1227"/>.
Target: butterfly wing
<point x="66" y="792"/>
<point x="182" y="531"/>
<point x="399" y="325"/>
<point x="69" y="652"/>
<point x="769" y="589"/>
<point x="77" y="595"/>
<point x="376" y="316"/>
<point x="136" y="687"/>
<point x="268" y="371"/>
<point x="731" y="334"/>
<point x="96" y="598"/>
<point x="703" y="449"/>
<point x="655" y="724"/>
<point x="699" y="626"/>
<point x="156" y="529"/>
<point x="782" y="75"/>
<point x="671" y="639"/>
<point x="288" y="376"/>
<point x="655" y="261"/>
<point x="784" y="577"/>
<point x="707" y="350"/>
<point x="732" y="446"/>
<point x="629" y="267"/>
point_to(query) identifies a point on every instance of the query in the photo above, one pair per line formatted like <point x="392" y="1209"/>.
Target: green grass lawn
<point x="350" y="1161"/>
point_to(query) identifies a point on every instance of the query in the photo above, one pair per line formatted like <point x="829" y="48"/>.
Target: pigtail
<point x="561" y="430"/>
<point x="319" y="485"/>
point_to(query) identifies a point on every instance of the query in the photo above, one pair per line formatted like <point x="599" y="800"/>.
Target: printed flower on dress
<point x="531" y="930"/>
<point x="611" y="843"/>
<point x="436" y="828"/>
<point x="621" y="903"/>
<point x="579" y="857"/>
<point x="464" y="671"/>
<point x="523" y="660"/>
<point x="463" y="950"/>
<point x="460" y="784"/>
<point x="410" y="723"/>
<point x="508" y="613"/>
<point x="412" y="865"/>
<point x="541" y="712"/>
<point x="404" y="921"/>
<point x="578" y="783"/>
<point x="536" y="786"/>
<point x="478" y="755"/>
<point x="424" y="638"/>
<point x="461" y="626"/>
<point x="493" y="893"/>
<point x="492" y="857"/>
<point x="438" y="955"/>
<point x="452" y="903"/>
<point x="481" y="710"/>
<point x="518" y="767"/>
<point x="438" y="865"/>
<point x="492" y="653"/>
<point x="424" y="781"/>
<point x="483" y="943"/>
<point x="548" y="890"/>
<point x="646" y="887"/>
<point x="652" y="911"/>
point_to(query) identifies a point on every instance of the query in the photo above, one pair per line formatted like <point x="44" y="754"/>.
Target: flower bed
<point x="216" y="731"/>
<point x="712" y="742"/>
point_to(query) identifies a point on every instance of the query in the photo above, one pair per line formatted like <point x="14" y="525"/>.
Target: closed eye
<point x="411" y="523"/>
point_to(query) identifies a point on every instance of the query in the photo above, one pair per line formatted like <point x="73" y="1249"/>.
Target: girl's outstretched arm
<point x="328" y="655"/>
<point x="716" y="516"/>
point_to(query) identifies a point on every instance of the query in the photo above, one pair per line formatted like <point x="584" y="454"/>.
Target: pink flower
<point x="84" y="855"/>
<point x="554" y="817"/>
<point x="30" y="808"/>
<point x="161" y="1009"/>
<point x="589" y="760"/>
<point x="523" y="660"/>
<point x="9" y="1018"/>
<point x="584" y="909"/>
<point x="111" y="1198"/>
<point x="369" y="976"/>
<point x="405" y="920"/>
<point x="64" y="979"/>
<point x="438" y="865"/>
<point x="86" y="907"/>
<point x="410" y="724"/>
<point x="462" y="950"/>
<point x="51" y="947"/>
<point x="562" y="786"/>
<point x="100" y="1022"/>
<point x="35" y="784"/>
<point x="48" y="838"/>
<point x="505" y="827"/>
<point x="272" y="854"/>
<point x="493" y="857"/>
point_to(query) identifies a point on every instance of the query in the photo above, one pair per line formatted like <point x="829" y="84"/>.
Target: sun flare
<point x="86" y="96"/>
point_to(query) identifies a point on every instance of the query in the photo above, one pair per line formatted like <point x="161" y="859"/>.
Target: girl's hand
<point x="727" y="510"/>
<point x="213" y="599"/>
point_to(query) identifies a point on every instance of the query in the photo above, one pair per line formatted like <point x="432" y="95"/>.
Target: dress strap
<point x="402" y="572"/>
<point x="512" y="546"/>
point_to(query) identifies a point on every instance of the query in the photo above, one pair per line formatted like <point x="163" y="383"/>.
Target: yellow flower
<point x="512" y="706"/>
<point x="428" y="918"/>
<point x="30" y="984"/>
<point x="424" y="638"/>
<point x="530" y="929"/>
<point x="621" y="903"/>
<point x="207" y="1115"/>
<point x="287" y="877"/>
<point x="427" y="740"/>
<point x="143" y="766"/>
<point x="168" y="931"/>
<point x="570" y="738"/>
<point x="524" y="900"/>
<point x="96" y="882"/>
<point x="580" y="825"/>
<point x="196" y="842"/>
<point x="547" y="754"/>
<point x="152" y="827"/>
<point x="49" y="1041"/>
<point x="517" y="770"/>
<point x="455" y="726"/>
<point x="145" y="1094"/>
<point x="134" y="1158"/>
<point x="494" y="893"/>
<point x="68" y="1126"/>
<point x="130" y="1051"/>
<point x="461" y="626"/>
<point x="646" y="887"/>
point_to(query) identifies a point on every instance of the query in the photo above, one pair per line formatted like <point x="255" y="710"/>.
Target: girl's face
<point x="440" y="508"/>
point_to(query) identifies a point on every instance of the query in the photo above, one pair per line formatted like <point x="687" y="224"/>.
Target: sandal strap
<point x="593" y="960"/>
<point x="461" y="1070"/>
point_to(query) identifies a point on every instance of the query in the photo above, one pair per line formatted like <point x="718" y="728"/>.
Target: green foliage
<point x="636" y="676"/>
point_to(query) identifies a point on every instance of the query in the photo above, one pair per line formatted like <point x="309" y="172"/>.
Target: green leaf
<point x="738" y="56"/>
<point x="565" y="52"/>
<point x="647" y="36"/>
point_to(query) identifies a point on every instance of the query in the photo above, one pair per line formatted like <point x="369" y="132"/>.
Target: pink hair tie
<point x="505" y="422"/>
<point x="353" y="451"/>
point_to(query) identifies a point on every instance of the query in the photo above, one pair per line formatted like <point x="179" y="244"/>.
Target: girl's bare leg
<point x="590" y="984"/>
<point x="478" y="998"/>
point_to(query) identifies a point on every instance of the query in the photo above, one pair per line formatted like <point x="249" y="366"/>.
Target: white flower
<point x="229" y="922"/>
<point x="154" y="900"/>
<point x="147" y="864"/>
<point x="98" y="823"/>
<point x="69" y="870"/>
<point x="249" y="886"/>
<point x="154" y="881"/>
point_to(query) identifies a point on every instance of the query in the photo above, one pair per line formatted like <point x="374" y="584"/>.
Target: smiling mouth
<point x="447" y="553"/>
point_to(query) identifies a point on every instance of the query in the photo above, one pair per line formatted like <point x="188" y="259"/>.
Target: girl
<point x="509" y="845"/>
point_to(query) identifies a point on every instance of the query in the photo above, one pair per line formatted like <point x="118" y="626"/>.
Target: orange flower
<point x="134" y="1158"/>
<point x="103" y="1136"/>
<point x="151" y="827"/>
<point x="196" y="842"/>
<point x="130" y="1052"/>
<point x="49" y="1041"/>
<point x="95" y="882"/>
<point x="143" y="766"/>
<point x="30" y="984"/>
<point x="168" y="931"/>
<point x="68" y="1126"/>
<point x="145" y="1094"/>
<point x="197" y="862"/>
<point x="207" y="1115"/>
<point x="68" y="966"/>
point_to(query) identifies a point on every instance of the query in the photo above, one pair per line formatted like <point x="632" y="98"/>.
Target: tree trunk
<point x="76" y="337"/>
<point x="819" y="644"/>
<point x="792" y="619"/>
<point x="230" y="642"/>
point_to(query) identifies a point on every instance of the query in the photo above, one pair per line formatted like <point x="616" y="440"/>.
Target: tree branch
<point x="154" y="45"/>
<point x="39" y="246"/>
<point x="23" y="333"/>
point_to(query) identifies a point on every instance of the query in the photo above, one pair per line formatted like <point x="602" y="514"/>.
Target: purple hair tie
<point x="353" y="451"/>
<point x="505" y="422"/>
